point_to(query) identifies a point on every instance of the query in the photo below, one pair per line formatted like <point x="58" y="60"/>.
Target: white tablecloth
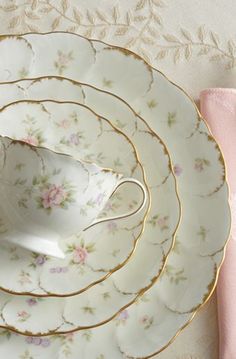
<point x="192" y="41"/>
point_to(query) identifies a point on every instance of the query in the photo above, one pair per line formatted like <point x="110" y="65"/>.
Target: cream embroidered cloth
<point x="192" y="41"/>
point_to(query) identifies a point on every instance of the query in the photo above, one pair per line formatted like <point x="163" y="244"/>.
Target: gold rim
<point x="200" y="118"/>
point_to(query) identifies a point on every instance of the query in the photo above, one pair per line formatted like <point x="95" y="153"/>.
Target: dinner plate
<point x="163" y="219"/>
<point x="193" y="265"/>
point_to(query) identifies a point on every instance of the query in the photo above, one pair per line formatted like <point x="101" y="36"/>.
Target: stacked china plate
<point x="113" y="167"/>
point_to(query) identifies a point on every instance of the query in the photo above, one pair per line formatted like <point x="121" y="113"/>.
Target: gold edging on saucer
<point x="106" y="169"/>
<point x="199" y="118"/>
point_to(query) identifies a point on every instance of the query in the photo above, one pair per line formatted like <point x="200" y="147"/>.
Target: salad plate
<point x="193" y="265"/>
<point x="86" y="261"/>
<point x="101" y="304"/>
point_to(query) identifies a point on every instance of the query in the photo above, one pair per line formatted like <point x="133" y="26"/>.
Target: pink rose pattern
<point x="31" y="140"/>
<point x="177" y="170"/>
<point x="54" y="196"/>
<point x="23" y="316"/>
<point x="80" y="255"/>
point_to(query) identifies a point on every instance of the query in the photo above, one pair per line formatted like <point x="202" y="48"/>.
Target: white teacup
<point x="47" y="196"/>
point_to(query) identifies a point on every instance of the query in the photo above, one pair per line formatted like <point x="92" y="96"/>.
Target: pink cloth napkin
<point x="218" y="107"/>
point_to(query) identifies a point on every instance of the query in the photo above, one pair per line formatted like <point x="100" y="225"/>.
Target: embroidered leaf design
<point x="102" y="34"/>
<point x="201" y="33"/>
<point x="186" y="34"/>
<point x="147" y="40"/>
<point x="171" y="38"/>
<point x="90" y="17"/>
<point x="64" y="5"/>
<point x="121" y="31"/>
<point x="152" y="31"/>
<point x="231" y="64"/>
<point x="56" y="22"/>
<point x="204" y="50"/>
<point x="115" y="14"/>
<point x="34" y="4"/>
<point x="216" y="57"/>
<point x="31" y="15"/>
<point x="139" y="18"/>
<point x="188" y="52"/>
<point x="157" y="19"/>
<point x="45" y="10"/>
<point x="176" y="55"/>
<point x="9" y="8"/>
<point x="215" y="38"/>
<point x="77" y="15"/>
<point x="101" y="16"/>
<point x="140" y="5"/>
<point x="158" y="3"/>
<point x="14" y="22"/>
<point x="127" y="18"/>
<point x="231" y="47"/>
<point x="161" y="54"/>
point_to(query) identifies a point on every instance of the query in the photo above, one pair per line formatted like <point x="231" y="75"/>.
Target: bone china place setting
<point x="114" y="213"/>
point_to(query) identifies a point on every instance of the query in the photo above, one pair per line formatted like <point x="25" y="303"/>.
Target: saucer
<point x="105" y="300"/>
<point x="193" y="265"/>
<point x="94" y="254"/>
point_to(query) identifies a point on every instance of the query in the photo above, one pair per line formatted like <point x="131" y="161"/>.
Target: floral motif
<point x="63" y="60"/>
<point x="122" y="317"/>
<point x="26" y="355"/>
<point x="177" y="170"/>
<point x="38" y="260"/>
<point x="161" y="222"/>
<point x="87" y="335"/>
<point x="175" y="275"/>
<point x="31" y="140"/>
<point x="107" y="83"/>
<point x="34" y="136"/>
<point x="80" y="255"/>
<point x="200" y="164"/>
<point x="32" y="302"/>
<point x="53" y="196"/>
<point x="80" y="252"/>
<point x="152" y="103"/>
<point x="146" y="321"/>
<point x="43" y="342"/>
<point x="171" y="119"/>
<point x="202" y="233"/>
<point x="58" y="270"/>
<point x="112" y="227"/>
<point x="23" y="316"/>
<point x="74" y="139"/>
<point x="89" y="310"/>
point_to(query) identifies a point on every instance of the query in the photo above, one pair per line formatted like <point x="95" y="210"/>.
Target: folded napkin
<point x="218" y="107"/>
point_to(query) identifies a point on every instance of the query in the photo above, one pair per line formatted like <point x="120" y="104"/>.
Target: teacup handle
<point x="128" y="214"/>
